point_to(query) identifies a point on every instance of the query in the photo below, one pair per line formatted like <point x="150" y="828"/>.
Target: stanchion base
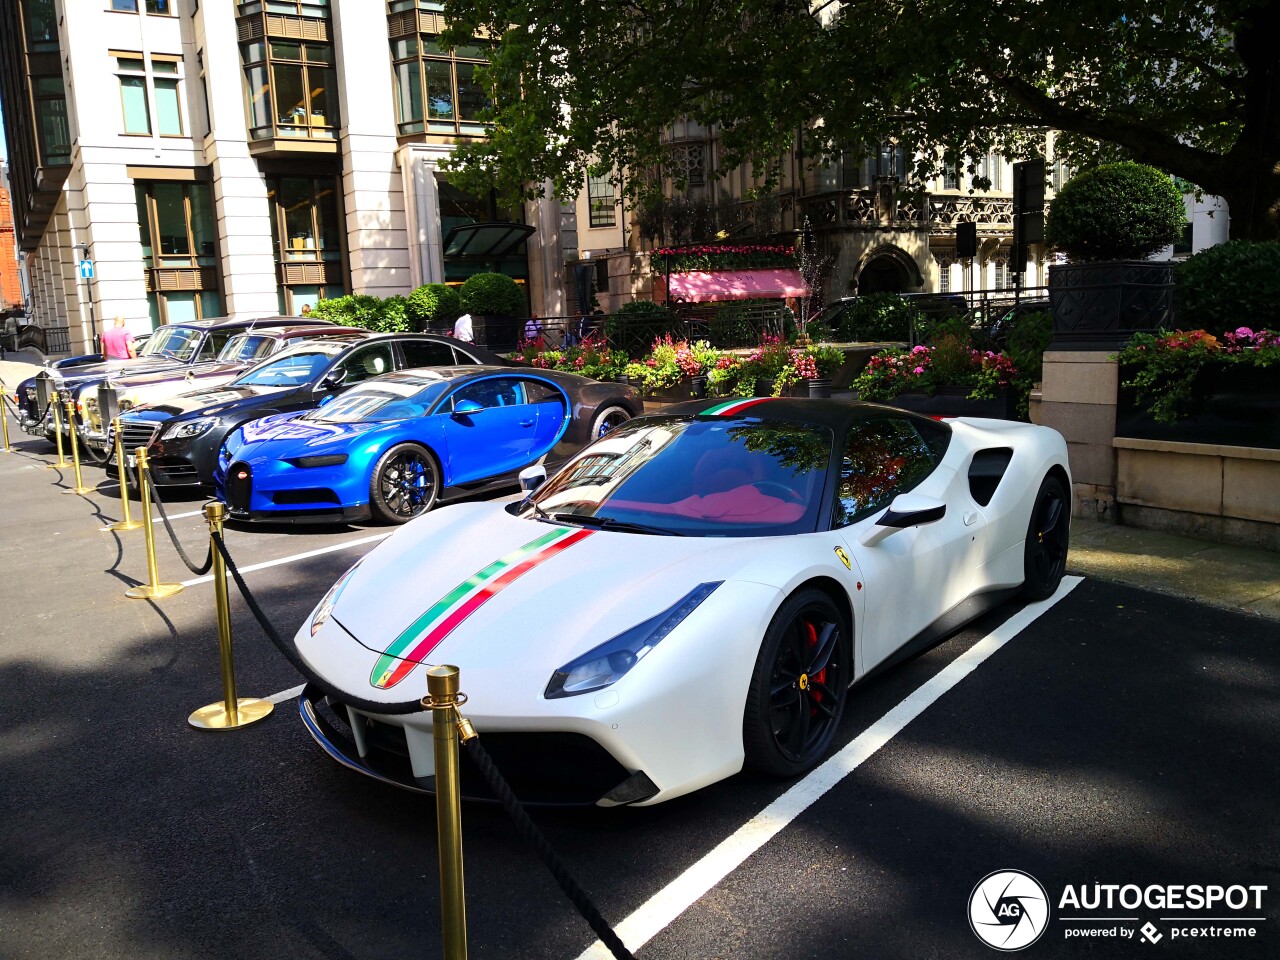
<point x="81" y="491"/>
<point x="158" y="592"/>
<point x="215" y="716"/>
<point x="121" y="525"/>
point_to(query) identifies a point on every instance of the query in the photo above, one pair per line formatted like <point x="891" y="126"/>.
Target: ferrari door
<point x="489" y="429"/>
<point x="916" y="574"/>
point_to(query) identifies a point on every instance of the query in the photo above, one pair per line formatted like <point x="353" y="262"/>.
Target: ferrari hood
<point x="474" y="586"/>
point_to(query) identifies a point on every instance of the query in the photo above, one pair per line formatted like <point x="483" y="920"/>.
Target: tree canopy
<point x="1191" y="88"/>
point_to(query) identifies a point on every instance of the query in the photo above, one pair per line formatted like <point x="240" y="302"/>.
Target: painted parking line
<point x="155" y="518"/>
<point x="296" y="557"/>
<point x="676" y="897"/>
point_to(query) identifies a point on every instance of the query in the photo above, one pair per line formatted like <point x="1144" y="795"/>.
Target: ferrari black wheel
<point x="798" y="690"/>
<point x="1045" y="554"/>
<point x="606" y="420"/>
<point x="404" y="484"/>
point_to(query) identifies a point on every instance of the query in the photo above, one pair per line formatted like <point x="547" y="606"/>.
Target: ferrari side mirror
<point x="531" y="478"/>
<point x="906" y="510"/>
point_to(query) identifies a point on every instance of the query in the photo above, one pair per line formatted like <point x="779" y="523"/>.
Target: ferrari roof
<point x="834" y="413"/>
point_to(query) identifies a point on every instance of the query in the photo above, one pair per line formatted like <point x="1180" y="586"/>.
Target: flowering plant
<point x="590" y="358"/>
<point x="671" y="361"/>
<point x="808" y="363"/>
<point x="925" y="368"/>
<point x="722" y="257"/>
<point x="1163" y="368"/>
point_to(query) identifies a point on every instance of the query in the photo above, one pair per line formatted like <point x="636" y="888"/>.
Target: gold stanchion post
<point x="75" y="449"/>
<point x="232" y="712"/>
<point x="153" y="589"/>
<point x="443" y="700"/>
<point x="4" y="419"/>
<point x="57" y="436"/>
<point x="126" y="523"/>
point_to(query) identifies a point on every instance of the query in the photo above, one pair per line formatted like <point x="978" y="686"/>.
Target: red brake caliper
<point x="811" y="642"/>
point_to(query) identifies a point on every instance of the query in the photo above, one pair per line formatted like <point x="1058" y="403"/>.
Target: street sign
<point x="86" y="269"/>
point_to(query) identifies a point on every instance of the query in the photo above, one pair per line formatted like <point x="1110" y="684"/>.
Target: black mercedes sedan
<point x="184" y="433"/>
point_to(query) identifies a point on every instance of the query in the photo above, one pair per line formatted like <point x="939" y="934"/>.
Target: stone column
<point x="1078" y="399"/>
<point x="377" y="235"/>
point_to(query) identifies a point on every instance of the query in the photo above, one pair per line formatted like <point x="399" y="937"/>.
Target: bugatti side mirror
<point x="531" y="478"/>
<point x="466" y="407"/>
<point x="907" y="510"/>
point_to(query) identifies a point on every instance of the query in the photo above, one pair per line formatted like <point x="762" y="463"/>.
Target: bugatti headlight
<point x="609" y="662"/>
<point x="188" y="428"/>
<point x="324" y="608"/>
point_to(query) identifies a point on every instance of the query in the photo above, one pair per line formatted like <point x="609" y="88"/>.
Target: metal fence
<point x="48" y="340"/>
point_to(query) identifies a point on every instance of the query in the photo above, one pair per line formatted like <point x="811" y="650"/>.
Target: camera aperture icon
<point x="1008" y="910"/>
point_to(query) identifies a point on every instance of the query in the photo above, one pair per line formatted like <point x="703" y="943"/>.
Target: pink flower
<point x="918" y="370"/>
<point x="1244" y="333"/>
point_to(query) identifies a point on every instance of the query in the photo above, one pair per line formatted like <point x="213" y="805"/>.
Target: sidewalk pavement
<point x="1238" y="578"/>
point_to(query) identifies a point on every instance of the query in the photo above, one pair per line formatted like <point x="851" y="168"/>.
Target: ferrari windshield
<point x="382" y="400"/>
<point x="293" y="368"/>
<point x="177" y="342"/>
<point x="699" y="476"/>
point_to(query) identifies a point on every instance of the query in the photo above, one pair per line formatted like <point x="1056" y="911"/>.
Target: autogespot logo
<point x="1008" y="910"/>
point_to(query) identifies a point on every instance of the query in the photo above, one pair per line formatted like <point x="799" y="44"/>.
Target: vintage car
<point x="696" y="591"/>
<point x="176" y="346"/>
<point x="117" y="395"/>
<point x="184" y="433"/>
<point x="393" y="447"/>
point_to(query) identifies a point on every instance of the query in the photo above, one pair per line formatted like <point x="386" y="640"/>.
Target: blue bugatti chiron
<point x="398" y="444"/>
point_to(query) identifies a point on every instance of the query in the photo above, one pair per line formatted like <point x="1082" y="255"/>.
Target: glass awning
<point x="486" y="239"/>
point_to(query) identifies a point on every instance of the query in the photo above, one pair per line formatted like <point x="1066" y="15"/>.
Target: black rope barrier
<point x="199" y="571"/>
<point x="497" y="783"/>
<point x="535" y="838"/>
<point x="290" y="653"/>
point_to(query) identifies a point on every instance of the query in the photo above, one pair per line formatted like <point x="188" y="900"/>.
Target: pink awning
<point x="732" y="285"/>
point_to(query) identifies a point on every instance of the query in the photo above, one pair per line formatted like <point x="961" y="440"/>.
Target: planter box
<point x="955" y="402"/>
<point x="693" y="389"/>
<point x="499" y="334"/>
<point x="764" y="388"/>
<point x="1098" y="306"/>
<point x="1237" y="406"/>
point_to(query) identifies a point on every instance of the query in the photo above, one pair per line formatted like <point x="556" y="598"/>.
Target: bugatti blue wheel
<point x="798" y="689"/>
<point x="404" y="484"/>
<point x="606" y="420"/>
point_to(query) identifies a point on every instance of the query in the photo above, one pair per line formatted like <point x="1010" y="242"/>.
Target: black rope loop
<point x="199" y="571"/>
<point x="290" y="652"/>
<point x="530" y="832"/>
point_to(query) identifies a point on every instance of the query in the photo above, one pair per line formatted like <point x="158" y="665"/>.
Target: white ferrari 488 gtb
<point x="694" y="592"/>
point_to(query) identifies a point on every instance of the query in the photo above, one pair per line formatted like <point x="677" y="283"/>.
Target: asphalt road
<point x="1120" y="738"/>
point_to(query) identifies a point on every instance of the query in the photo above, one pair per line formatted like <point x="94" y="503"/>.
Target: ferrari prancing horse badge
<point x="844" y="558"/>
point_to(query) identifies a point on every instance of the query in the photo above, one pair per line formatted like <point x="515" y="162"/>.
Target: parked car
<point x="176" y="346"/>
<point x="117" y="395"/>
<point x="183" y="434"/>
<point x="694" y="592"/>
<point x="393" y="447"/>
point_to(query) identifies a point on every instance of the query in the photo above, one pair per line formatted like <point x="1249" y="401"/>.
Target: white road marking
<point x="297" y="556"/>
<point x="676" y="897"/>
<point x="155" y="518"/>
<point x="284" y="695"/>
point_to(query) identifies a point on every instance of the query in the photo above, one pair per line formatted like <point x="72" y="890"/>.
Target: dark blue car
<point x="393" y="447"/>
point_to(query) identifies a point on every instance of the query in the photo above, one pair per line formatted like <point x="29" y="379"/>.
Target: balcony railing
<point x="877" y="207"/>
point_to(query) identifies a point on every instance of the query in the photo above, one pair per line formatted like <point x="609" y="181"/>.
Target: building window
<point x="291" y="89"/>
<point x="600" y="197"/>
<point x="951" y="178"/>
<point x="162" y="8"/>
<point x="51" y="115"/>
<point x="890" y="160"/>
<point x="306" y="234"/>
<point x="992" y="168"/>
<point x="1059" y="176"/>
<point x="944" y="278"/>
<point x="42" y="26"/>
<point x="436" y="90"/>
<point x="401" y="6"/>
<point x="850" y="170"/>
<point x="135" y="100"/>
<point x="297" y="8"/>
<point x="178" y="233"/>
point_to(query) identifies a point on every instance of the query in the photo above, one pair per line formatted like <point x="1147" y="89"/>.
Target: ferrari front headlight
<point x="324" y="609"/>
<point x="609" y="662"/>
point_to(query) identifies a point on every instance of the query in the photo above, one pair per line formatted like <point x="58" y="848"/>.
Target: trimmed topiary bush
<point x="1117" y="211"/>
<point x="492" y="294"/>
<point x="434" y="305"/>
<point x="1235" y="284"/>
<point x="351" y="310"/>
<point x="393" y="316"/>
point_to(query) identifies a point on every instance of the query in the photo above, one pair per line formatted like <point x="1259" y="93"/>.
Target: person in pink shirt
<point x="117" y="342"/>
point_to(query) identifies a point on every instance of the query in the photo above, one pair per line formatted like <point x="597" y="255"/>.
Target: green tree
<point x="1190" y="88"/>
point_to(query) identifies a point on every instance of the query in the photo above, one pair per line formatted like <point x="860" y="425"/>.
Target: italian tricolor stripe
<point x="425" y="633"/>
<point x="733" y="406"/>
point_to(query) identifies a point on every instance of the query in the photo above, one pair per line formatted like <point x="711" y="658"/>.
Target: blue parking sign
<point x="86" y="269"/>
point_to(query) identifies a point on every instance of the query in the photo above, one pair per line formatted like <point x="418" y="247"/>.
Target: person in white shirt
<point x="462" y="328"/>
